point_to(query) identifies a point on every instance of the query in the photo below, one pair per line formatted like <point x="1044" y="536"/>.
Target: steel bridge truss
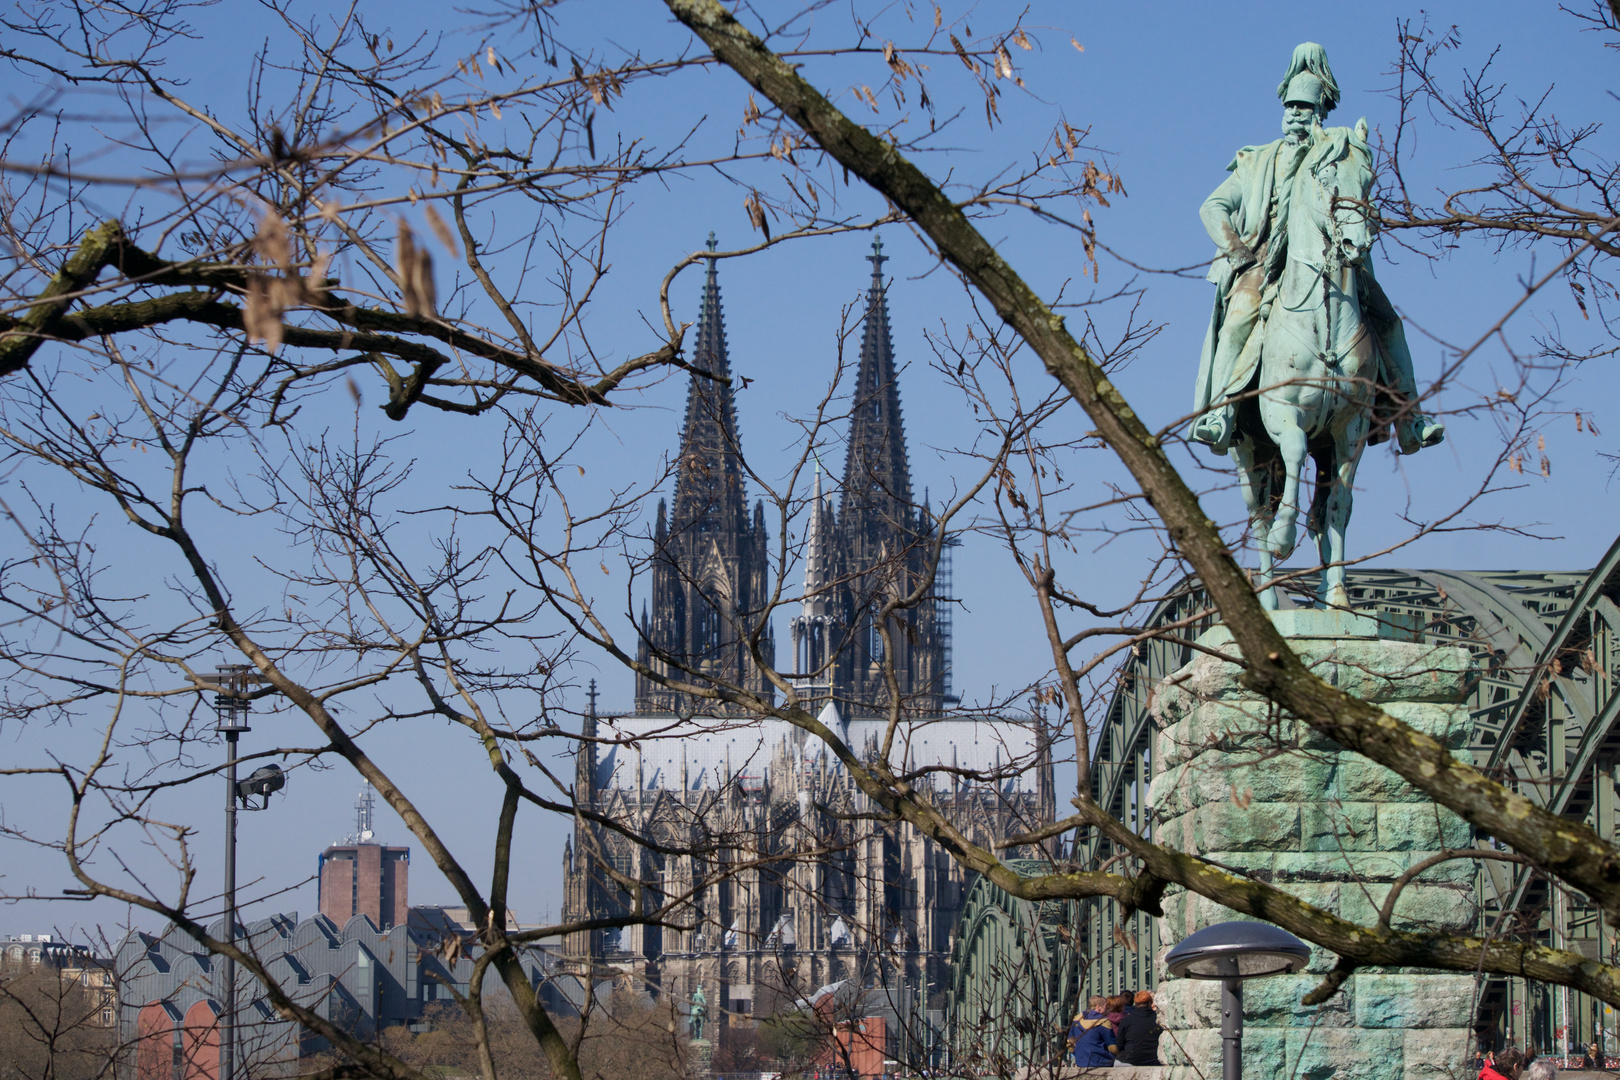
<point x="1015" y="977"/>
<point x="1546" y="721"/>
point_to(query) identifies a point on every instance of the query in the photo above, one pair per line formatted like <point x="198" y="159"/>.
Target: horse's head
<point x="1342" y="170"/>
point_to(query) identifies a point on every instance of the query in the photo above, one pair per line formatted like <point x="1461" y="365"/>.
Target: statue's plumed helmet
<point x="1304" y="89"/>
<point x="1310" y="60"/>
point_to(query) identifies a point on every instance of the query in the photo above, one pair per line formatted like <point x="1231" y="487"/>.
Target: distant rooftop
<point x="436" y="916"/>
<point x="708" y="752"/>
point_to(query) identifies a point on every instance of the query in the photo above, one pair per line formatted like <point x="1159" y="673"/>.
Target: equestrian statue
<point x="1305" y="356"/>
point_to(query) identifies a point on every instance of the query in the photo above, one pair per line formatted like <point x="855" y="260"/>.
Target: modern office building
<point x="361" y="876"/>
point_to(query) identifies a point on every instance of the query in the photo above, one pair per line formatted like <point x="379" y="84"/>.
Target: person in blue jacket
<point x="1083" y="1022"/>
<point x="1090" y="1037"/>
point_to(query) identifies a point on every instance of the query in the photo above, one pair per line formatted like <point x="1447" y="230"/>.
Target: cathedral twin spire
<point x="884" y="538"/>
<point x="710" y="572"/>
<point x="877" y="477"/>
<point x="708" y="479"/>
<point x="710" y="562"/>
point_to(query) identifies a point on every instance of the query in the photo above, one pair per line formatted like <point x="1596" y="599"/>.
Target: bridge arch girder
<point x="1015" y="976"/>
<point x="1545" y="716"/>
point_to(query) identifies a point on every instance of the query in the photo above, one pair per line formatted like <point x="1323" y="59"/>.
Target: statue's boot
<point x="1215" y="429"/>
<point x="1237" y="357"/>
<point x="1419" y="433"/>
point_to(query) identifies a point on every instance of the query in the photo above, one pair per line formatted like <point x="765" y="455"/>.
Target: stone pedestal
<point x="1253" y="789"/>
<point x="702" y="1051"/>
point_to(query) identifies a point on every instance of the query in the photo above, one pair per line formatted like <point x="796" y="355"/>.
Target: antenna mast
<point x="364" y="813"/>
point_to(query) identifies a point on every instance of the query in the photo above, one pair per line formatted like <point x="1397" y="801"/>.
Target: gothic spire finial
<point x="709" y="482"/>
<point x="877" y="477"/>
<point x="712" y="246"/>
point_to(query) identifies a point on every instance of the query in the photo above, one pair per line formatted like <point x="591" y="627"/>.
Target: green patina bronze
<point x="700" y="1013"/>
<point x="1305" y="357"/>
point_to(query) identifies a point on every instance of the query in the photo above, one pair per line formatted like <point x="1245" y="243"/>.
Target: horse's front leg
<point x="1257" y="498"/>
<point x="1348" y="443"/>
<point x="1283" y="426"/>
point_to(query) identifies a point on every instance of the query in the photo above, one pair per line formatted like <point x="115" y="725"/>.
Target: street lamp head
<point x="263" y="781"/>
<point x="1238" y="950"/>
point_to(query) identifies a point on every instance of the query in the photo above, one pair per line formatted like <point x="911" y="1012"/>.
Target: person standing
<point x="1138" y="1038"/>
<point x="1592" y="1060"/>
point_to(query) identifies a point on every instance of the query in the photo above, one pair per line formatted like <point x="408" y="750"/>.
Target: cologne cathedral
<point x="797" y="884"/>
<point x="710" y="579"/>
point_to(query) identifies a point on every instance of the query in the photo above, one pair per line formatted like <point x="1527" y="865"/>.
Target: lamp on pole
<point x="231" y="684"/>
<point x="1233" y="952"/>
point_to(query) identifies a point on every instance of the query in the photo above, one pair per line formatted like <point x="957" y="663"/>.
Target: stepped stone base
<point x="1253" y="789"/>
<point x="702" y="1056"/>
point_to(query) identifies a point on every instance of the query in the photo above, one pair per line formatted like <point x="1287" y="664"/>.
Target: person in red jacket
<point x="1488" y="1070"/>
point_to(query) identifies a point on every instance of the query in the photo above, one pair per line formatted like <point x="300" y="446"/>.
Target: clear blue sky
<point x="1167" y="92"/>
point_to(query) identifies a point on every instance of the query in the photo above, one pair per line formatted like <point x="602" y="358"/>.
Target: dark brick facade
<point x="366" y="879"/>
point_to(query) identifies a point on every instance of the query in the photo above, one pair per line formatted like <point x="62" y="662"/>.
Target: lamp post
<point x="1233" y="952"/>
<point x="231" y="684"/>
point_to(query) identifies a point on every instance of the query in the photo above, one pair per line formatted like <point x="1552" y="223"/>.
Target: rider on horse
<point x="1247" y="217"/>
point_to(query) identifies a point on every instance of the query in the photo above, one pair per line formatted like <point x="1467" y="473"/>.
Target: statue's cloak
<point x="1243" y="203"/>
<point x="1244" y="200"/>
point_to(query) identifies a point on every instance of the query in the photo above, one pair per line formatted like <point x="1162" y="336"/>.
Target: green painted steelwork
<point x="1545" y="719"/>
<point x="1015" y="977"/>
